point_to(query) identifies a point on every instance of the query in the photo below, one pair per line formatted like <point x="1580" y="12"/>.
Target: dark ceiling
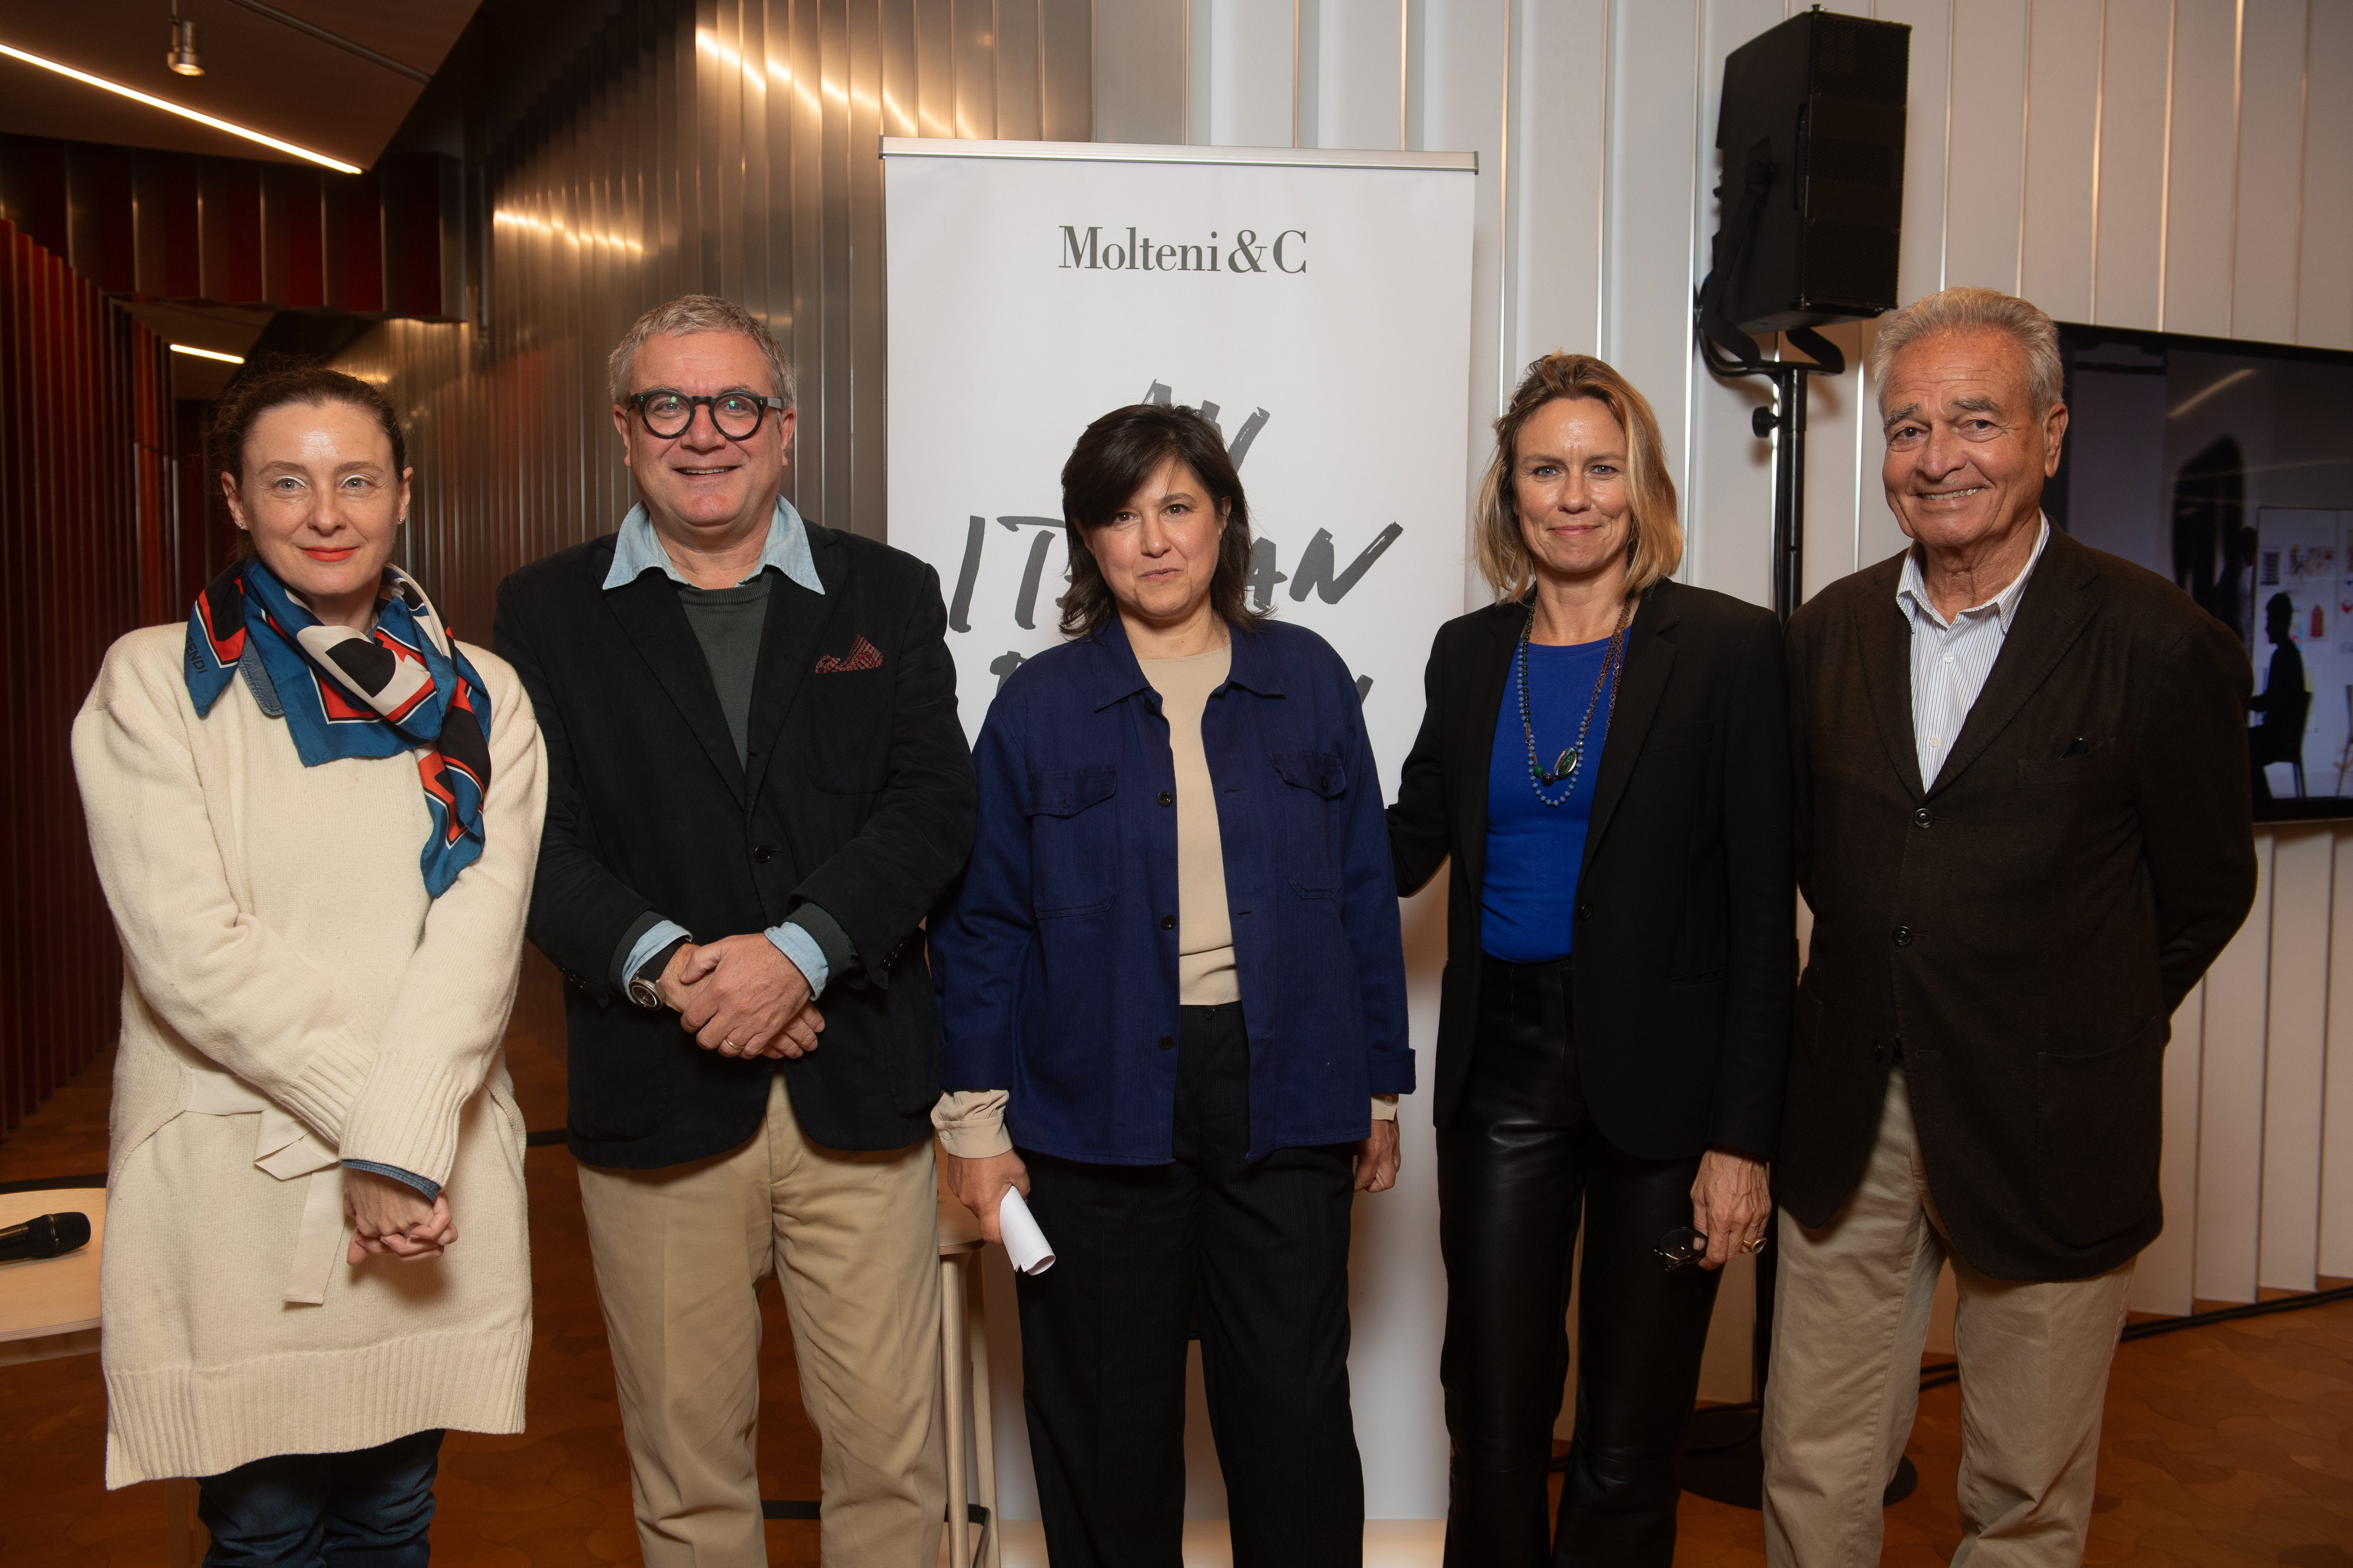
<point x="259" y="72"/>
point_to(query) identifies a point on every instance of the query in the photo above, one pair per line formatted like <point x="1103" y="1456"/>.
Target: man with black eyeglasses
<point x="758" y="785"/>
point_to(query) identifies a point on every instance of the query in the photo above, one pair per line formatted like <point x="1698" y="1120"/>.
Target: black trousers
<point x="1260" y="1251"/>
<point x="1519" y="1157"/>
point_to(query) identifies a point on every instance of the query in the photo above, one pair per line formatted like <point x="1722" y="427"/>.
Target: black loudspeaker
<point x="1812" y="130"/>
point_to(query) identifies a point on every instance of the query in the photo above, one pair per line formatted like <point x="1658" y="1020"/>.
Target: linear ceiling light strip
<point x="207" y="353"/>
<point x="169" y="107"/>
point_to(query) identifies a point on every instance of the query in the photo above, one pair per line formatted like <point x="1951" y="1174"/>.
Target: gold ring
<point x="727" y="1044"/>
<point x="1756" y="1246"/>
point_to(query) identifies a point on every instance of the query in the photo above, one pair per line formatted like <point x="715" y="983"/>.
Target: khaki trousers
<point x="1850" y="1316"/>
<point x="854" y="1241"/>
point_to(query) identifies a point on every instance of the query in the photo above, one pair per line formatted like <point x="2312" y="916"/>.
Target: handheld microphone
<point x="46" y="1236"/>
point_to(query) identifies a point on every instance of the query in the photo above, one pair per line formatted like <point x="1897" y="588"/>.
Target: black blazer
<point x="1686" y="918"/>
<point x="2019" y="930"/>
<point x="857" y="798"/>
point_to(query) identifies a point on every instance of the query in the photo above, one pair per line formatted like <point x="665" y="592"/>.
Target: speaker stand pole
<point x="1785" y="423"/>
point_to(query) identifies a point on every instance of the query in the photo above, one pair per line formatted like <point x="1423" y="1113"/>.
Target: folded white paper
<point x="1024" y="1242"/>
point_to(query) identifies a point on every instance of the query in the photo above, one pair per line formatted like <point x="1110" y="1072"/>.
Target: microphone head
<point x="67" y="1232"/>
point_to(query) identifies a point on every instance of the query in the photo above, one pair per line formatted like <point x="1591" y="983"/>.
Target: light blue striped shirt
<point x="638" y="550"/>
<point x="1951" y="660"/>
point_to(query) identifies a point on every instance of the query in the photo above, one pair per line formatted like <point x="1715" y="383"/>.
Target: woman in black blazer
<point x="1603" y="756"/>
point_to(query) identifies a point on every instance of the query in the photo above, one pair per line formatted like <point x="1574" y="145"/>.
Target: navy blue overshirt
<point x="1055" y="957"/>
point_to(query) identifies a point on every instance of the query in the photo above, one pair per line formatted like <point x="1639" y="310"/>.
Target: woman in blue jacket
<point x="1172" y="1001"/>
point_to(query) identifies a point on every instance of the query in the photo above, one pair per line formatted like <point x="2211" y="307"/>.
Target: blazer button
<point x="1167" y="1043"/>
<point x="1902" y="935"/>
<point x="1878" y="1052"/>
<point x="1585" y="912"/>
<point x="1166" y="798"/>
<point x="762" y="853"/>
<point x="1923" y="817"/>
<point x="1167" y="923"/>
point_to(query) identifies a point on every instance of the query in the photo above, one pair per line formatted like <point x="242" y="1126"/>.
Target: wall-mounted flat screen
<point x="2228" y="466"/>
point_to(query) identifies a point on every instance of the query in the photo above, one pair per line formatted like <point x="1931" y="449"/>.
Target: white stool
<point x="964" y="1355"/>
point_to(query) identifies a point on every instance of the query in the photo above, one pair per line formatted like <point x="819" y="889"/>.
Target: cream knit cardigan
<point x="278" y="941"/>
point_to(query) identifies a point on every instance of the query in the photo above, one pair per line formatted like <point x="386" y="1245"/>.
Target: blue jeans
<point x="363" y="1509"/>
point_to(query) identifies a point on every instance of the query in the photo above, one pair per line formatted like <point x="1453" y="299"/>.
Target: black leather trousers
<point x="1519" y="1157"/>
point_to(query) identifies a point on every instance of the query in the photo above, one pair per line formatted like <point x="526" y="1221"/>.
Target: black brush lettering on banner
<point x="960" y="606"/>
<point x="1316" y="561"/>
<point x="1025" y="603"/>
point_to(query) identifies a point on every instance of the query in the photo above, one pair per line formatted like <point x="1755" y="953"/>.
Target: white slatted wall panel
<point x="2178" y="165"/>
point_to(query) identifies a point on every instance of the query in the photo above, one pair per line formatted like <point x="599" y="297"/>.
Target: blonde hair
<point x="1656" y="545"/>
<point x="1953" y="310"/>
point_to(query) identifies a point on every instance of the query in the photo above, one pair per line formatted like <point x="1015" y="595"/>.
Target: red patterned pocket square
<point x="862" y="655"/>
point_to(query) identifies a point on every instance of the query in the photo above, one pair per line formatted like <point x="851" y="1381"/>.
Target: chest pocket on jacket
<point x="1313" y="781"/>
<point x="1074" y="840"/>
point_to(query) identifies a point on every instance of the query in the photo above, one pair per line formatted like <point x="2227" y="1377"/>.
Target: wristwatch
<point x="645" y="987"/>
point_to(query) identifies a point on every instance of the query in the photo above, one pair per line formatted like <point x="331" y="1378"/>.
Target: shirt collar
<point x="1912" y="589"/>
<point x="1119" y="674"/>
<point x="637" y="550"/>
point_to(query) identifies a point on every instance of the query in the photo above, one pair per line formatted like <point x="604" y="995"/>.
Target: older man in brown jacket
<point x="2023" y="829"/>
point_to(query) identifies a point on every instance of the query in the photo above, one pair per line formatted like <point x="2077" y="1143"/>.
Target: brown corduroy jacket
<point x="2018" y="931"/>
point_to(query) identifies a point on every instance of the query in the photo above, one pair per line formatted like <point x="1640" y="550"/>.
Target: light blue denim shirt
<point x="638" y="551"/>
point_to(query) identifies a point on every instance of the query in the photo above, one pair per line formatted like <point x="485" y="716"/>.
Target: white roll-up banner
<point x="1316" y="307"/>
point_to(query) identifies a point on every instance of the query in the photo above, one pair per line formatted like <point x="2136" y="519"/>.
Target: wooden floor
<point x="2224" y="1445"/>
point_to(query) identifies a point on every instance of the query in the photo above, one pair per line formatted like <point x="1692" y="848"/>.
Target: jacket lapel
<point x="796" y="628"/>
<point x="1883" y="652"/>
<point x="1491" y="682"/>
<point x="1649" y="658"/>
<point x="2051" y="614"/>
<point x="649" y="614"/>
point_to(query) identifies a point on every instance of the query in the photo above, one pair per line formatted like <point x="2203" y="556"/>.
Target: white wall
<point x="2177" y="164"/>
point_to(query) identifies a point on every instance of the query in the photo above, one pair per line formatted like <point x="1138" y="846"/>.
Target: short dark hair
<point x="279" y="382"/>
<point x="1113" y="460"/>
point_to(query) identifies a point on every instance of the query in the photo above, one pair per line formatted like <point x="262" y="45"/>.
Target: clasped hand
<point x="388" y="1216"/>
<point x="741" y="997"/>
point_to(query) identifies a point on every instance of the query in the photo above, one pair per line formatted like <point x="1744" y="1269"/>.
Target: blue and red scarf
<point x="404" y="688"/>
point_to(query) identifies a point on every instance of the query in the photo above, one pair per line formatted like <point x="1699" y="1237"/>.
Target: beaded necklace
<point x="1564" y="769"/>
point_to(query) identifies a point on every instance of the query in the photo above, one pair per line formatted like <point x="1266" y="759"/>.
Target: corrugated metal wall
<point x="89" y="549"/>
<point x="728" y="148"/>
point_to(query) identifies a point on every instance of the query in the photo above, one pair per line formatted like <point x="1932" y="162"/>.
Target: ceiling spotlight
<point x="183" y="57"/>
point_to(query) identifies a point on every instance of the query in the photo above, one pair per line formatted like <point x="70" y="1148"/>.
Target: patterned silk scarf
<point x="405" y="687"/>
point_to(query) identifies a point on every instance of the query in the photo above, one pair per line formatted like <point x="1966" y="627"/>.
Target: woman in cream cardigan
<point x="316" y="816"/>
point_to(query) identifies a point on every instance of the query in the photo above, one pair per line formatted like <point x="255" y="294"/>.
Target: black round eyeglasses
<point x="735" y="415"/>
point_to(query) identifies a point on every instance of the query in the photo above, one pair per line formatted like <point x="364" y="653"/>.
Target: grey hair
<point x="1967" y="310"/>
<point x="698" y="313"/>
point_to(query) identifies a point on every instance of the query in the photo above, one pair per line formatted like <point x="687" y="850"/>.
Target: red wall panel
<point x="88" y="539"/>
